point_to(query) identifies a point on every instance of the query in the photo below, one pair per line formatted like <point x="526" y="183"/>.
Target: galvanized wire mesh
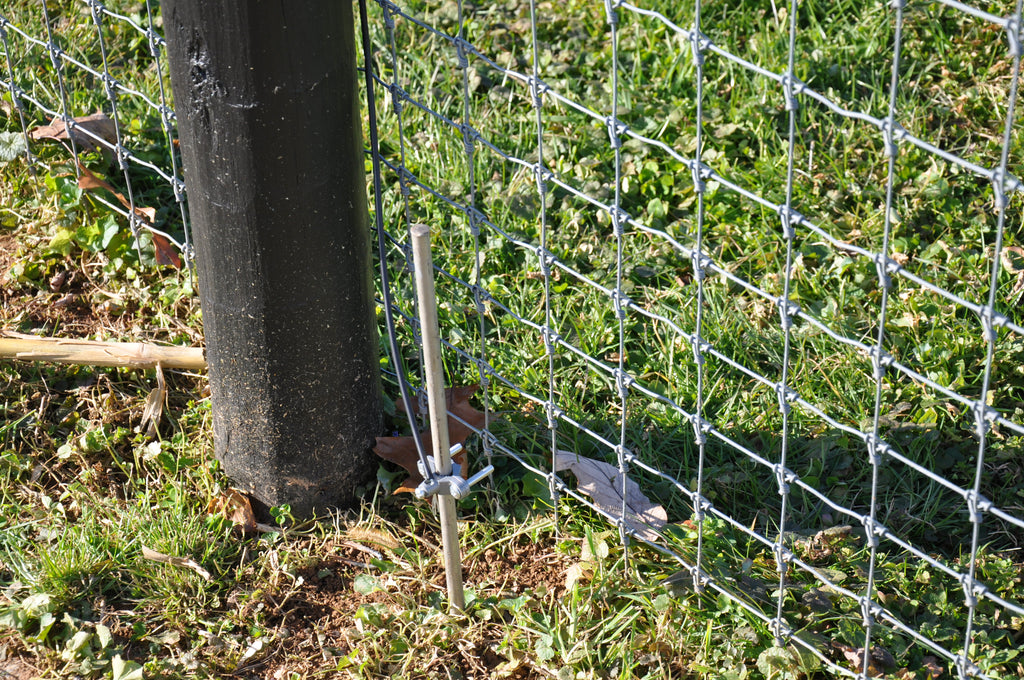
<point x="468" y="197"/>
<point x="66" y="62"/>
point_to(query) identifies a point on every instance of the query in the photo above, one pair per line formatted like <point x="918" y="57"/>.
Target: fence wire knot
<point x="786" y="216"/>
<point x="700" y="173"/>
<point x="897" y="4"/>
<point x="96" y="9"/>
<point x="405" y="180"/>
<point x="976" y="505"/>
<point x="700" y="579"/>
<point x="880" y="360"/>
<point x="480" y="296"/>
<point x="398" y="96"/>
<point x="56" y="54"/>
<point x="553" y="414"/>
<point x="621" y="303"/>
<point x="785" y="395"/>
<point x="983" y="416"/>
<point x="616" y="128"/>
<point x="609" y="11"/>
<point x="999" y="177"/>
<point x="475" y="217"/>
<point x="973" y="589"/>
<point x="551" y="338"/>
<point x="783" y="556"/>
<point x="178" y="186"/>
<point x="868" y="611"/>
<point x="469" y="136"/>
<point x="965" y="668"/>
<point x="623" y="381"/>
<point x="624" y="454"/>
<point x="783" y="477"/>
<point x="538" y="88"/>
<point x="619" y="219"/>
<point x="780" y="629"/>
<point x="791" y="86"/>
<point x="155" y="41"/>
<point x="700" y="429"/>
<point x="787" y="309"/>
<point x="541" y="175"/>
<point x="1013" y="35"/>
<point x="699" y="261"/>
<point x="461" y="45"/>
<point x="698" y="43"/>
<point x="389" y="10"/>
<point x="892" y="132"/>
<point x="872" y="530"/>
<point x="110" y="85"/>
<point x="989" y="319"/>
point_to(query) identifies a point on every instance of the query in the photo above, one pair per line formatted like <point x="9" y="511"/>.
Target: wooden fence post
<point x="268" y="113"/>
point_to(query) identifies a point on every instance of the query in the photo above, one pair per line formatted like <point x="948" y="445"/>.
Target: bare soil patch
<point x="315" y="623"/>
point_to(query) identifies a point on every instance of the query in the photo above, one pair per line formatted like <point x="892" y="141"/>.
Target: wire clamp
<point x="447" y="485"/>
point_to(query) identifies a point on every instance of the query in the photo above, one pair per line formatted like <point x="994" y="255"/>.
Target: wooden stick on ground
<point x="23" y="347"/>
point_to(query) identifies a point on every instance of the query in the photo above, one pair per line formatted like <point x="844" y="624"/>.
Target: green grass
<point x="552" y="593"/>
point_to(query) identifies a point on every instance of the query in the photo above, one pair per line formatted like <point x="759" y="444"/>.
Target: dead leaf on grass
<point x="89" y="180"/>
<point x="99" y="124"/>
<point x="184" y="562"/>
<point x="457" y="402"/>
<point x="603" y="483"/>
<point x="163" y="250"/>
<point x="155" y="401"/>
<point x="236" y="506"/>
<point x="402" y="450"/>
<point x="931" y="665"/>
<point x="879" y="658"/>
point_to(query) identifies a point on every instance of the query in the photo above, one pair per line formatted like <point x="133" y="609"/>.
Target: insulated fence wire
<point x="115" y="89"/>
<point x="792" y="399"/>
<point x="378" y="213"/>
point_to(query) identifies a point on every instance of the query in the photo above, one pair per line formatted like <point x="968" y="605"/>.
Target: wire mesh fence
<point x="86" y="91"/>
<point x="764" y="261"/>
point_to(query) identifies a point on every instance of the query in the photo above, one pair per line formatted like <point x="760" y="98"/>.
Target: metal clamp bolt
<point x="447" y="485"/>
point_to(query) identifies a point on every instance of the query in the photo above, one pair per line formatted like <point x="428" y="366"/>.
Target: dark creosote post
<point x="268" y="113"/>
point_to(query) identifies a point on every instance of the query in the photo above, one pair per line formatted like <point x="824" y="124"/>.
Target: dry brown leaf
<point x="185" y="562"/>
<point x="931" y="665"/>
<point x="879" y="659"/>
<point x="402" y="450"/>
<point x="1013" y="259"/>
<point x="235" y="506"/>
<point x="457" y="403"/>
<point x="99" y="124"/>
<point x="89" y="180"/>
<point x="155" y="401"/>
<point x="164" y="251"/>
<point x="603" y="483"/>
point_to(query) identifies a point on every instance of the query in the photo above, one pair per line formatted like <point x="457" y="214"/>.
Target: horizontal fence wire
<point x="94" y="105"/>
<point x="480" y="144"/>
